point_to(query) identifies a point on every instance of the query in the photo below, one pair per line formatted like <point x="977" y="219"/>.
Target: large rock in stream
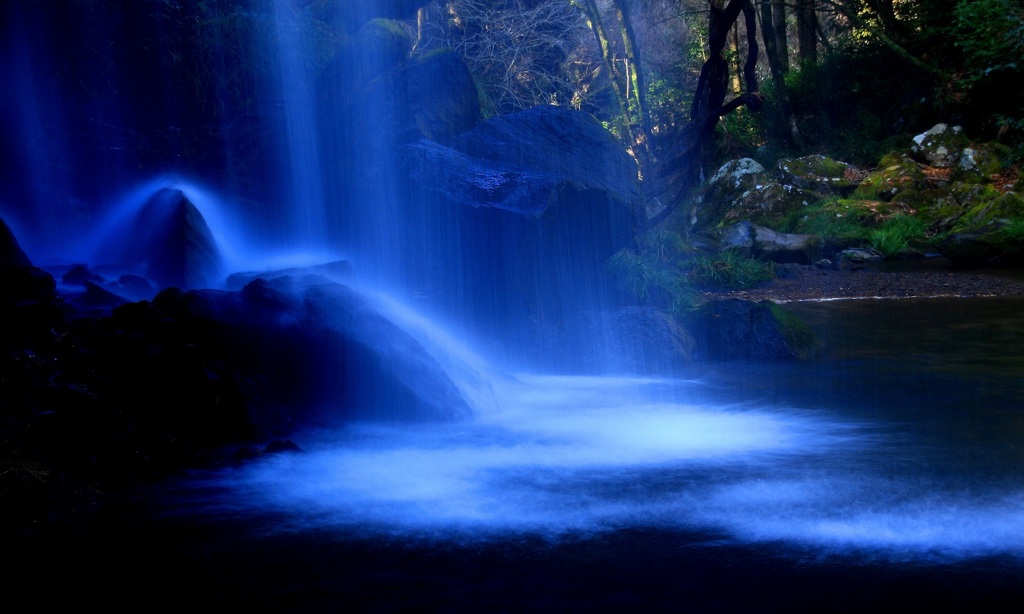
<point x="735" y="329"/>
<point x="167" y="242"/>
<point x="377" y="369"/>
<point x="326" y="348"/>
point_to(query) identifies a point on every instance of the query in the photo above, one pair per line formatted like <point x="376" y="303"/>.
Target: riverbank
<point x="930" y="278"/>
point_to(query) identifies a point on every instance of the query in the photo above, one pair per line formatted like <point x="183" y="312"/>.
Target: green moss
<point x="819" y="166"/>
<point x="895" y="175"/>
<point x="386" y="27"/>
<point x="987" y="206"/>
<point x="843" y="218"/>
<point x="389" y="42"/>
<point x="799" y="337"/>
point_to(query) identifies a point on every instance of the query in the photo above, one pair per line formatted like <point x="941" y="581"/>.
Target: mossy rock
<point x="769" y="205"/>
<point x="989" y="245"/>
<point x="735" y="329"/>
<point x="939" y="208"/>
<point x="816" y="173"/>
<point x="977" y="164"/>
<point x="896" y="174"/>
<point x="940" y="146"/>
<point x="990" y="232"/>
<point x="843" y="218"/>
<point x="387" y="36"/>
<point x="735" y="177"/>
<point x="986" y="207"/>
<point x="733" y="180"/>
<point x="799" y="337"/>
<point x="381" y="44"/>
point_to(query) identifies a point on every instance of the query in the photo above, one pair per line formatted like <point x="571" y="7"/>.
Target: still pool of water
<point x="888" y="469"/>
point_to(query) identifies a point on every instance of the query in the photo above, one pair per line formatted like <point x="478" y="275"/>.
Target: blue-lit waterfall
<point x="867" y="453"/>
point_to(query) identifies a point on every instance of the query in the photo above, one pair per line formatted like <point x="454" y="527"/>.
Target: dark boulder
<point x="989" y="231"/>
<point x="432" y="97"/>
<point x="78" y="275"/>
<point x="335" y="269"/>
<point x="991" y="244"/>
<point x="11" y="254"/>
<point x="99" y="297"/>
<point x="571" y="146"/>
<point x="20" y="281"/>
<point x="167" y="242"/>
<point x="735" y="329"/>
<point x="520" y="215"/>
<point x="756" y="241"/>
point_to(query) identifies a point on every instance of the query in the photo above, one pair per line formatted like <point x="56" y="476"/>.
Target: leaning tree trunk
<point x="774" y="54"/>
<point x="683" y="170"/>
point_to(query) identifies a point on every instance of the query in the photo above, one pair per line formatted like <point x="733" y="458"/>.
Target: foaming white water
<point x="565" y="455"/>
<point x="899" y="519"/>
<point x="239" y="249"/>
<point x="471" y="373"/>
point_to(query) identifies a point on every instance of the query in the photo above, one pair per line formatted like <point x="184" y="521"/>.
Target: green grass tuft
<point x="730" y="269"/>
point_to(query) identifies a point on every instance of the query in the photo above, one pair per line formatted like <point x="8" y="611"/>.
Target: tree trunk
<point x="683" y="170"/>
<point x="775" y="66"/>
<point x="734" y="45"/>
<point x="589" y="8"/>
<point x="781" y="38"/>
<point x="807" y="33"/>
<point x="635" y="74"/>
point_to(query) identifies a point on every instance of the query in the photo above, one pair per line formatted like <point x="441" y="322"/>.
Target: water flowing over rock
<point x="433" y="97"/>
<point x="378" y="367"/>
<point x="327" y="349"/>
<point x="641" y="340"/>
<point x="521" y="213"/>
<point x="167" y="242"/>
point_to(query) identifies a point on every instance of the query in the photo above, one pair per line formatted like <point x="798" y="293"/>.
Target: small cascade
<point x="476" y="378"/>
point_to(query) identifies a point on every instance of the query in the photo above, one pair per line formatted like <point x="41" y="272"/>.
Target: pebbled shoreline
<point x="926" y="279"/>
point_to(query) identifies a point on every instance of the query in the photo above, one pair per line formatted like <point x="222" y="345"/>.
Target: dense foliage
<point x="873" y="71"/>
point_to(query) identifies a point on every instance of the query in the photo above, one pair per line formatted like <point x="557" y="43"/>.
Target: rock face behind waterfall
<point x="167" y="242"/>
<point x="438" y="99"/>
<point x="521" y="213"/>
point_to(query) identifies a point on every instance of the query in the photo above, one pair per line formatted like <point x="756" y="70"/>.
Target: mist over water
<point x="564" y="457"/>
<point x="885" y="461"/>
